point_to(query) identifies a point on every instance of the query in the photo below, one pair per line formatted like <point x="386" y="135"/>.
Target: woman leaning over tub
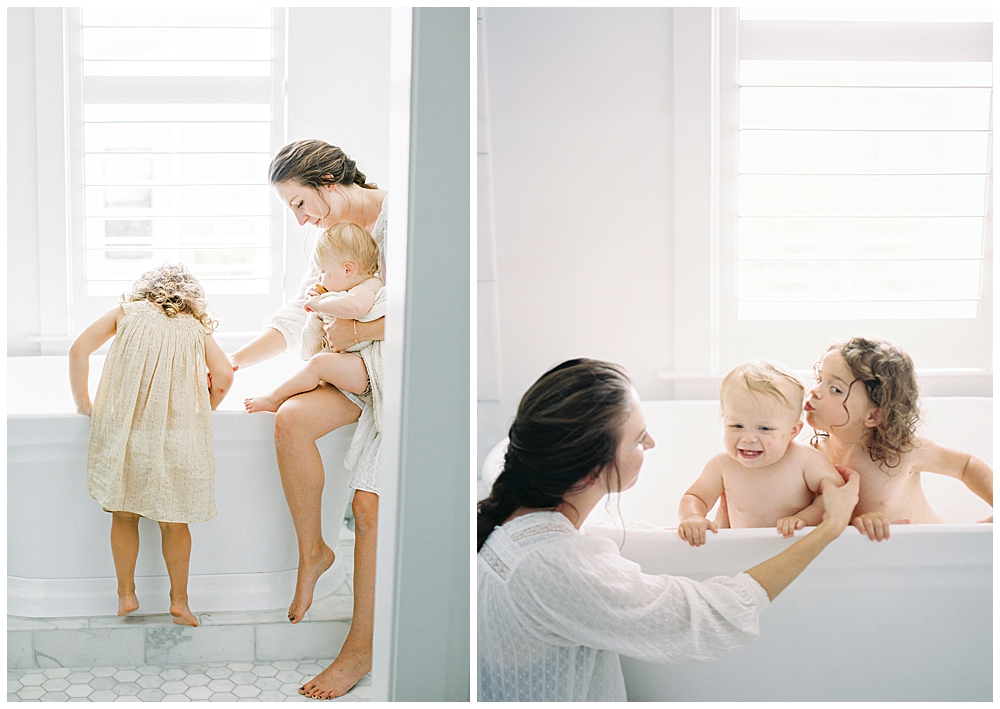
<point x="322" y="186"/>
<point x="556" y="607"/>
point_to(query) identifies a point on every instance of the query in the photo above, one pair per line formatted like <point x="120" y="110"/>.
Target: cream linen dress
<point x="555" y="609"/>
<point x="151" y="425"/>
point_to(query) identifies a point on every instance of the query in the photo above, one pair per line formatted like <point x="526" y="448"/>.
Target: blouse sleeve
<point x="290" y="320"/>
<point x="589" y="595"/>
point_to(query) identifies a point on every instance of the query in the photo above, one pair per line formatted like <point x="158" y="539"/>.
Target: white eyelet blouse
<point x="556" y="608"/>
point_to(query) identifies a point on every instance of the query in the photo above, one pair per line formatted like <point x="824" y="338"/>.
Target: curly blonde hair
<point x="346" y="241"/>
<point x="890" y="379"/>
<point x="175" y="290"/>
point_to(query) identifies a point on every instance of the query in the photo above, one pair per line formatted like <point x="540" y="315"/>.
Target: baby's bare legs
<point x="177" y="554"/>
<point x="342" y="369"/>
<point x="125" y="550"/>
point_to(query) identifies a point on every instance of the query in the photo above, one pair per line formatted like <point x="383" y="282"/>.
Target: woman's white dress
<point x="555" y="609"/>
<point x="363" y="456"/>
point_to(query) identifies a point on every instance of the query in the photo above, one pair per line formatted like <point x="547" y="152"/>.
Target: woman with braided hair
<point x="555" y="607"/>
<point x="322" y="186"/>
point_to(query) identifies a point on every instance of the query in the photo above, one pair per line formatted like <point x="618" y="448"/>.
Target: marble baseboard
<point x="103" y="641"/>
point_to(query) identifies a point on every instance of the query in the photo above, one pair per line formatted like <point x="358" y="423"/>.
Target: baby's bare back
<point x="759" y="497"/>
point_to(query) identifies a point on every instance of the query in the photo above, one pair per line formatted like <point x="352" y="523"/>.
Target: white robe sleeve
<point x="588" y="594"/>
<point x="290" y="320"/>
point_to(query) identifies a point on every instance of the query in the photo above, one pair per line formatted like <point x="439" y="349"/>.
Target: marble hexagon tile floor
<point x="277" y="681"/>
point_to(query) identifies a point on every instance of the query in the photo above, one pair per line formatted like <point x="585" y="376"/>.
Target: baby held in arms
<point x="769" y="479"/>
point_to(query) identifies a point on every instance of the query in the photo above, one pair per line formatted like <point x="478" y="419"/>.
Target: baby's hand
<point x="788" y="525"/>
<point x="875" y="525"/>
<point x="311" y="304"/>
<point x="692" y="530"/>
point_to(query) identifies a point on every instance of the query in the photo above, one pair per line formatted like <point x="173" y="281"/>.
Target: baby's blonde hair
<point x="767" y="378"/>
<point x="175" y="290"/>
<point x="346" y="241"/>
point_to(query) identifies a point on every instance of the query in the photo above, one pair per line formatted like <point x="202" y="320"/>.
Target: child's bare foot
<point x="267" y="402"/>
<point x="305" y="582"/>
<point x="181" y="613"/>
<point x="337" y="679"/>
<point x="127" y="602"/>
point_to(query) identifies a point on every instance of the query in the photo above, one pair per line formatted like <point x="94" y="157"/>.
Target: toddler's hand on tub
<point x="692" y="530"/>
<point x="988" y="520"/>
<point x="875" y="525"/>
<point x="788" y="525"/>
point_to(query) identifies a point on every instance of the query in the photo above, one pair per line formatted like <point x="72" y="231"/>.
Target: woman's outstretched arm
<point x="269" y="343"/>
<point x="777" y="572"/>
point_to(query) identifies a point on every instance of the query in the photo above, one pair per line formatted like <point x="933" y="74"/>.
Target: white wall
<point x="337" y="91"/>
<point x="581" y="127"/>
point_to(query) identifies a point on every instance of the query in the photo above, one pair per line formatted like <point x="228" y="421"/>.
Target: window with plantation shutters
<point x="175" y="115"/>
<point x="863" y="179"/>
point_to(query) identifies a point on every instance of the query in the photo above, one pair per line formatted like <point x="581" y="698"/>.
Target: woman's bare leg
<point x="299" y="423"/>
<point x="125" y="550"/>
<point x="355" y="659"/>
<point x="177" y="553"/>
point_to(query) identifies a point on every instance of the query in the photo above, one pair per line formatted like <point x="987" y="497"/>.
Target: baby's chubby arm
<point x="351" y="305"/>
<point x="972" y="471"/>
<point x="220" y="372"/>
<point x="817" y="474"/>
<point x="698" y="500"/>
<point x="89" y="341"/>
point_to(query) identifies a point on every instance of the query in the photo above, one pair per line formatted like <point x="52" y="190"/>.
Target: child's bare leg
<point x="177" y="554"/>
<point x="355" y="658"/>
<point x="342" y="369"/>
<point x="125" y="550"/>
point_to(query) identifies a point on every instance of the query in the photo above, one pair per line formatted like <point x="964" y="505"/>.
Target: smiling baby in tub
<point x="769" y="479"/>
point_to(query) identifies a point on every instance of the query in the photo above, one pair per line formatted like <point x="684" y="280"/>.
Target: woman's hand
<point x="340" y="334"/>
<point x="85" y="408"/>
<point x="692" y="530"/>
<point x="839" y="502"/>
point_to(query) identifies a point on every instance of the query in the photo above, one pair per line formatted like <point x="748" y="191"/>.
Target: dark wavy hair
<point x="315" y="164"/>
<point x="890" y="379"/>
<point x="568" y="425"/>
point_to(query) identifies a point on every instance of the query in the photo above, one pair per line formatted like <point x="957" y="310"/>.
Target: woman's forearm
<point x="777" y="572"/>
<point x="374" y="330"/>
<point x="269" y="343"/>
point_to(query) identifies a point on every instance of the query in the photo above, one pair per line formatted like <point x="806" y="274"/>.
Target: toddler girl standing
<point x="150" y="449"/>
<point x="864" y="409"/>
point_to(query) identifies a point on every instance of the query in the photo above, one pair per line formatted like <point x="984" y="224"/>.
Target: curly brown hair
<point x="890" y="379"/>
<point x="175" y="290"/>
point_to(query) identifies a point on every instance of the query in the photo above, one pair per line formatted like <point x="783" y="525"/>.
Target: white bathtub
<point x="58" y="554"/>
<point x="910" y="619"/>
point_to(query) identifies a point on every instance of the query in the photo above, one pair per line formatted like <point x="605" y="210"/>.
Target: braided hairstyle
<point x="315" y="164"/>
<point x="568" y="426"/>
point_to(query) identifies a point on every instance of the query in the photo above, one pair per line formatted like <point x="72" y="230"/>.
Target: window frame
<point x="239" y="315"/>
<point x="798" y="342"/>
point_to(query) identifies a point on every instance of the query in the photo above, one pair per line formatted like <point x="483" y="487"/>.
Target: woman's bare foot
<point x="266" y="402"/>
<point x="127" y="602"/>
<point x="342" y="674"/>
<point x="305" y="582"/>
<point x="181" y="613"/>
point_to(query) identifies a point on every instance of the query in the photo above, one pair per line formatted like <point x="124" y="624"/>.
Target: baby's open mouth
<point x="750" y="455"/>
